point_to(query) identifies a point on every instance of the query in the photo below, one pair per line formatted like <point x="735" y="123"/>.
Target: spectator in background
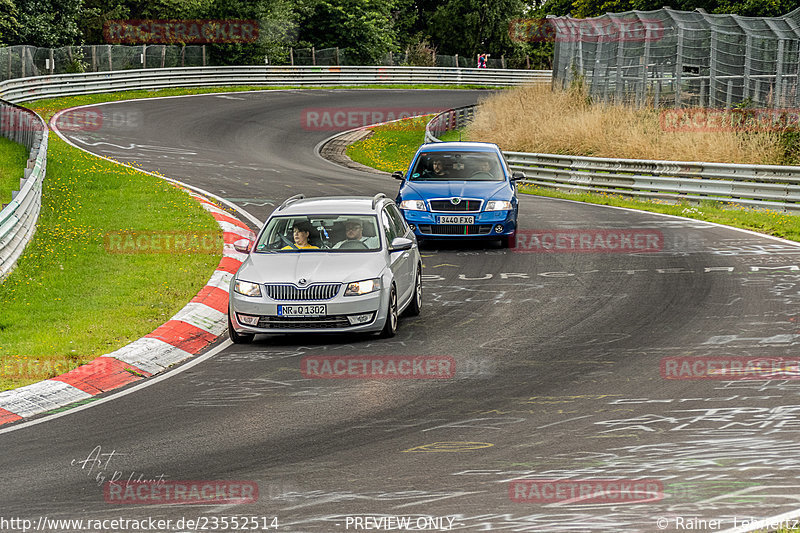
<point x="482" y="60"/>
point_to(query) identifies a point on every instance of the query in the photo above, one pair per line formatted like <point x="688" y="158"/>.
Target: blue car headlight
<point x="498" y="205"/>
<point x="413" y="205"/>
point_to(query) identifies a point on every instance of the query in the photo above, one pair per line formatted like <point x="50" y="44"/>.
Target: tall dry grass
<point x="536" y="119"/>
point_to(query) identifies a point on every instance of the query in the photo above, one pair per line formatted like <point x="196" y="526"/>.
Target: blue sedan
<point x="456" y="190"/>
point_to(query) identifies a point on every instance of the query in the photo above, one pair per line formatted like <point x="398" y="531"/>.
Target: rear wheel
<point x="415" y="306"/>
<point x="390" y="327"/>
<point x="238" y="338"/>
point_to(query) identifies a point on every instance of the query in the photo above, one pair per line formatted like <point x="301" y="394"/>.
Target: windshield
<point x="322" y="233"/>
<point x="457" y="166"/>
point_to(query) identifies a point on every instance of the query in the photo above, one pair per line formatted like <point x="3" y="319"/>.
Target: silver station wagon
<point x="334" y="264"/>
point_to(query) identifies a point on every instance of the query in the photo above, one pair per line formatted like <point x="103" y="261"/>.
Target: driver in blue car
<point x="354" y="237"/>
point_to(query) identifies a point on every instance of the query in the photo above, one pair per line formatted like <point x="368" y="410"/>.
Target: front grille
<point x="293" y="322"/>
<point x="464" y="206"/>
<point x="315" y="292"/>
<point x="455" y="229"/>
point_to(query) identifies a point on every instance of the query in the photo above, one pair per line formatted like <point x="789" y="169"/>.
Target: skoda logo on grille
<point x="455" y="201"/>
<point x="302" y="281"/>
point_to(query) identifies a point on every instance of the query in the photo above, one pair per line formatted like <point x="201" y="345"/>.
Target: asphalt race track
<point x="558" y="366"/>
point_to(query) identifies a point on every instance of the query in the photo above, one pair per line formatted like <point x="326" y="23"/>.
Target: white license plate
<point x="453" y="219"/>
<point x="302" y="310"/>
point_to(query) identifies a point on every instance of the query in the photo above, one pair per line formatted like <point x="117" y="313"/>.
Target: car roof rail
<point x="291" y="200"/>
<point x="377" y="198"/>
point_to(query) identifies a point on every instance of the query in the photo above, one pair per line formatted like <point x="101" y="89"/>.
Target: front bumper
<point x="335" y="321"/>
<point x="485" y="226"/>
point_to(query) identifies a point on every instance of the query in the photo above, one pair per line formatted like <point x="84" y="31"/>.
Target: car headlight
<point x="498" y="205"/>
<point x="247" y="288"/>
<point x="367" y="286"/>
<point x="413" y="205"/>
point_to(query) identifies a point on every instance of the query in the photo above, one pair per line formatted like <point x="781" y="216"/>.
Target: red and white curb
<point x="193" y="328"/>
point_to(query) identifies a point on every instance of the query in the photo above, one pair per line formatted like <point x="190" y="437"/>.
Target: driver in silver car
<point x="353" y="230"/>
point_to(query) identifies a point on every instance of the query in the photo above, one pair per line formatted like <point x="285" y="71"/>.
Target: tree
<point x="49" y="23"/>
<point x="470" y="27"/>
<point x="8" y="22"/>
<point x="277" y="29"/>
<point x="363" y="28"/>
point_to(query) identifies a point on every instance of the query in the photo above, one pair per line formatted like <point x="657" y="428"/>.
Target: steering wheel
<point x="482" y="174"/>
<point x="353" y="245"/>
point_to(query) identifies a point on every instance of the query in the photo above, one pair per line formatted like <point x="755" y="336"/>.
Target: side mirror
<point x="242" y="246"/>
<point x="401" y="243"/>
<point x="398" y="175"/>
<point x="517" y="176"/>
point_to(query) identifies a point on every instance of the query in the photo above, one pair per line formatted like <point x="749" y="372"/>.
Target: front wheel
<point x="415" y="306"/>
<point x="238" y="338"/>
<point x="390" y="327"/>
<point x="508" y="241"/>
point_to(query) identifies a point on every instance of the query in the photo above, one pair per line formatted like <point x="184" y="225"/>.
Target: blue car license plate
<point x="455" y="219"/>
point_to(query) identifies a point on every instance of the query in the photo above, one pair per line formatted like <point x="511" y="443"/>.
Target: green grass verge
<point x="392" y="146"/>
<point x="13" y="157"/>
<point x="70" y="299"/>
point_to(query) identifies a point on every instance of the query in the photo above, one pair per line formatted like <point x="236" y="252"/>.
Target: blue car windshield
<point x="457" y="166"/>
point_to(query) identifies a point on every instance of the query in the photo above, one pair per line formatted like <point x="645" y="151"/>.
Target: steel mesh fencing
<point x="26" y="61"/>
<point x="669" y="58"/>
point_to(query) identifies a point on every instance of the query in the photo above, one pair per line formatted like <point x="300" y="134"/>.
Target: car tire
<point x="415" y="306"/>
<point x="238" y="338"/>
<point x="392" y="317"/>
<point x="508" y="241"/>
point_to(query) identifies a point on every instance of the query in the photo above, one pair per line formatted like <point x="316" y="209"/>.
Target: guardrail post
<point x="776" y="101"/>
<point x="679" y="68"/>
<point x="712" y="70"/>
<point x="729" y="95"/>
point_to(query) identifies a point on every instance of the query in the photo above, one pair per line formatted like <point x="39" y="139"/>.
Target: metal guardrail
<point x="452" y="119"/>
<point x="762" y="186"/>
<point x="18" y="218"/>
<point x="28" y="89"/>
